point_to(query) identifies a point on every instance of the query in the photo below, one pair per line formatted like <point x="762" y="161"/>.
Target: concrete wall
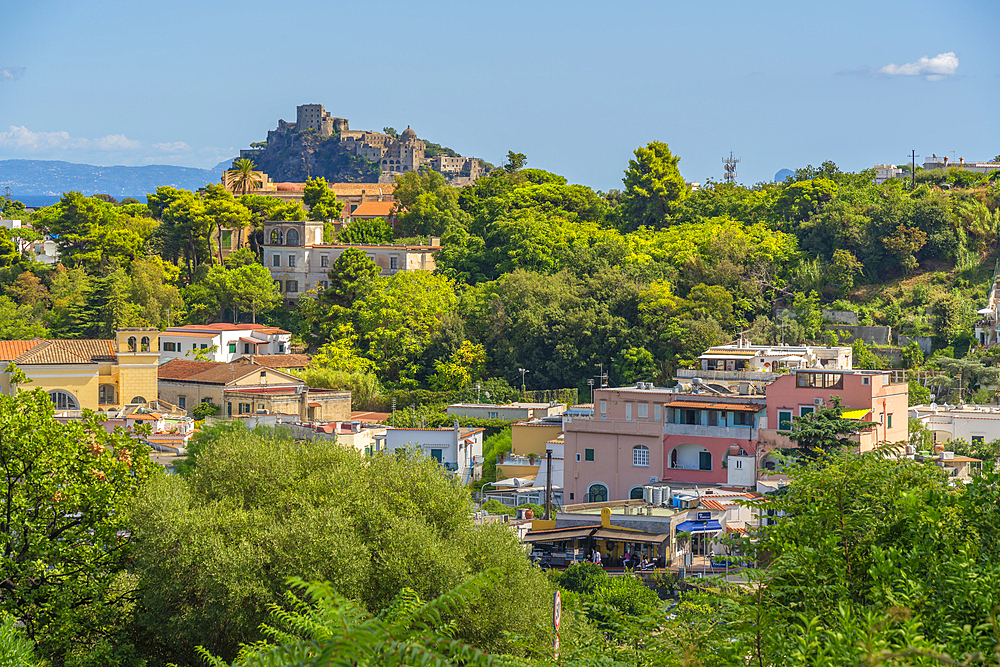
<point x="849" y="334"/>
<point x="840" y="316"/>
<point x="923" y="342"/>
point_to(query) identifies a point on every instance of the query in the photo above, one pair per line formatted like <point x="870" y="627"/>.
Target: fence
<point x="567" y="396"/>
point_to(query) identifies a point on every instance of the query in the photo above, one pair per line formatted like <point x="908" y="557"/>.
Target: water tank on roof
<point x="647" y="494"/>
<point x="657" y="495"/>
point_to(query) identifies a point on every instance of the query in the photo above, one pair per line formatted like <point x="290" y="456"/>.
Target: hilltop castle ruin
<point x="395" y="155"/>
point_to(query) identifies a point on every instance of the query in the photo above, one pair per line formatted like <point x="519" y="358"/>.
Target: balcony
<point x="724" y="376"/>
<point x="613" y="426"/>
<point x="697" y="430"/>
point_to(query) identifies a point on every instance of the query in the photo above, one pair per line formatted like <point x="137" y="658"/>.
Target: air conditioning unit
<point x="817" y="401"/>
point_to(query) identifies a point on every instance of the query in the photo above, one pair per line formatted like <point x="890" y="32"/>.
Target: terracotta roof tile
<point x="86" y="351"/>
<point x="12" y="349"/>
<point x="208" y="372"/>
<point x="713" y="505"/>
<point x="282" y="360"/>
<point x="377" y="208"/>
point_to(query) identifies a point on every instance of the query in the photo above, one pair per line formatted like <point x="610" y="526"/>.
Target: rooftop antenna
<point x="730" y="167"/>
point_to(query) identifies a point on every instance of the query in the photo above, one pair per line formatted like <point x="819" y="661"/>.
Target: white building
<point x="972" y="423"/>
<point x="299" y="261"/>
<point x="231" y="341"/>
<point x="883" y="172"/>
<point x="458" y="449"/>
<point x="511" y="412"/>
<point x="935" y="162"/>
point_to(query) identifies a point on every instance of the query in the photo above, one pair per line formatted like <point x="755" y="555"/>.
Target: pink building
<point x="645" y="435"/>
<point x="640" y="436"/>
<point x="865" y="395"/>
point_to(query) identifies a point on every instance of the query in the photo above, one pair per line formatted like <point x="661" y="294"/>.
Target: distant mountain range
<point x="38" y="182"/>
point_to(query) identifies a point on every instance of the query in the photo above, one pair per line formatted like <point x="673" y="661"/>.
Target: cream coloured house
<point x="92" y="374"/>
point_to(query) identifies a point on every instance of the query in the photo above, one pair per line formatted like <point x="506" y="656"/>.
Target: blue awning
<point x="699" y="526"/>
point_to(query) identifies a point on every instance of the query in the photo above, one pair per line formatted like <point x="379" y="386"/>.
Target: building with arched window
<point x="90" y="374"/>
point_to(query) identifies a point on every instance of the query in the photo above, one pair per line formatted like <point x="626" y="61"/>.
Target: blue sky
<point x="576" y="86"/>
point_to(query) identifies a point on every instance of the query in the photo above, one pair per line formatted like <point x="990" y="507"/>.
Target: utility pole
<point x="913" y="169"/>
<point x="548" y="483"/>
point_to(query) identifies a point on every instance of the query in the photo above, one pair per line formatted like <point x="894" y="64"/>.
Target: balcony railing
<point x="733" y="432"/>
<point x="747" y="376"/>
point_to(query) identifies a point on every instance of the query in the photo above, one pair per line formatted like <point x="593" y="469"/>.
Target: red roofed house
<point x="248" y="388"/>
<point x="87" y="374"/>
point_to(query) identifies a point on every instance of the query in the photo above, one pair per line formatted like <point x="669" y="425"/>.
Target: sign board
<point x="556" y="611"/>
<point x="704" y="516"/>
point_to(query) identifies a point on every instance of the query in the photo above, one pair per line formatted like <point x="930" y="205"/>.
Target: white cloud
<point x="11" y="73"/>
<point x="172" y="147"/>
<point x="932" y="69"/>
<point x="19" y="141"/>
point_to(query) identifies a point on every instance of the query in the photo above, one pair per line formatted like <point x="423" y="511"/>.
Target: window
<point x="704" y="460"/>
<point x="227" y="238"/>
<point x="291" y="260"/>
<point x="204" y="400"/>
<point x="578" y="457"/>
<point x="643" y="410"/>
<point x="493" y="415"/>
<point x="571" y="496"/>
<point x="597" y="493"/>
<point x="106" y="394"/>
<point x="889" y="420"/>
<point x="139" y="400"/>
<point x="144" y="344"/>
<point x="604" y="409"/>
<point x="635" y="493"/>
<point x="739" y="464"/>
<point x="976" y="439"/>
<point x="232" y="348"/>
<point x="182" y="401"/>
<point x="588" y="454"/>
<point x="656" y="412"/>
<point x="394" y="263"/>
<point x="263" y="374"/>
<point x="436" y="455"/>
<point x="131" y="343"/>
<point x="742" y="419"/>
<point x="281" y="348"/>
<point x="324" y="260"/>
<point x="275" y="260"/>
<point x="229" y="408"/>
<point x="292" y="237"/>
<point x="628" y="412"/>
<point x="291" y="285"/>
<point x="820" y="380"/>
<point x="276" y="237"/>
<point x="866" y="381"/>
<point x="640" y="456"/>
<point x="324" y="284"/>
<point x="204" y="346"/>
<point x="244" y="408"/>
<point x="63" y="400"/>
<point x="168" y="347"/>
<point x="246" y="348"/>
<point x="806" y="410"/>
<point x="784" y="420"/>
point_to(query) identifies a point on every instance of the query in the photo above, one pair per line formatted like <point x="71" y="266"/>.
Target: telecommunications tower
<point x="730" y="167"/>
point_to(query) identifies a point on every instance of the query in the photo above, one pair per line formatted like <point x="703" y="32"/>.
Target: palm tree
<point x="243" y="178"/>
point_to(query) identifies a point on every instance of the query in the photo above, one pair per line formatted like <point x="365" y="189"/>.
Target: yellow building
<point x="88" y="374"/>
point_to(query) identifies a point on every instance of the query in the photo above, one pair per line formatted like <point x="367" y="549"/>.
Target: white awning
<point x="985" y="311"/>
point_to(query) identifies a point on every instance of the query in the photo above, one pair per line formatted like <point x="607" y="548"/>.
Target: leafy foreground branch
<point x="329" y="629"/>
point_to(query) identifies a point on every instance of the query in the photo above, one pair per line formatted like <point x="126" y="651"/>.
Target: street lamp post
<point x="590" y="383"/>
<point x="481" y="493"/>
<point x="522" y="371"/>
